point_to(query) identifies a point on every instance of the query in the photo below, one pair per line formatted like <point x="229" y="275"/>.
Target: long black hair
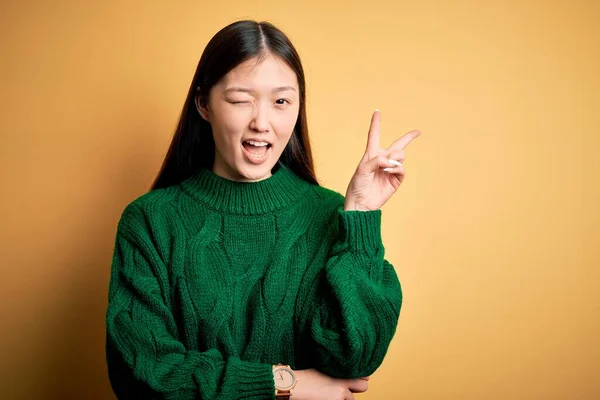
<point x="193" y="146"/>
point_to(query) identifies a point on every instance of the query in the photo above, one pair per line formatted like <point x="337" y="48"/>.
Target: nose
<point x="260" y="118"/>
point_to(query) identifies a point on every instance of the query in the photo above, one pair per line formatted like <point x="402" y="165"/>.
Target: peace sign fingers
<point x="380" y="172"/>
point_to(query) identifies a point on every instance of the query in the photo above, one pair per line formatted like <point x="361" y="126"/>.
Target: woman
<point x="237" y="276"/>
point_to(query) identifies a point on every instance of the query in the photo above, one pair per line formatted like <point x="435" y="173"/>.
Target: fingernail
<point x="394" y="162"/>
<point x="377" y="109"/>
<point x="388" y="169"/>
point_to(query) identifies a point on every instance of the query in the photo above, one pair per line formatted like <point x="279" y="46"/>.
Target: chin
<point x="255" y="172"/>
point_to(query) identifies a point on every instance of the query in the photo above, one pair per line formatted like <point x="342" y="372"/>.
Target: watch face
<point x="284" y="378"/>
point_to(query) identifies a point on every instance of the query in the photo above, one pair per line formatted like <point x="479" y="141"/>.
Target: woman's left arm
<point x="352" y="304"/>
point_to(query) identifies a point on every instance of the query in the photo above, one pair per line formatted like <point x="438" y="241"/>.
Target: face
<point x="252" y="111"/>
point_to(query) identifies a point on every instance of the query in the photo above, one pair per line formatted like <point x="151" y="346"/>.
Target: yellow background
<point x="494" y="233"/>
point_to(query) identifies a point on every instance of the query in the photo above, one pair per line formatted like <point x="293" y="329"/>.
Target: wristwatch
<point x="285" y="381"/>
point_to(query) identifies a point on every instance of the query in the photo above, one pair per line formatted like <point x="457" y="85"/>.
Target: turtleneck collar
<point x="281" y="189"/>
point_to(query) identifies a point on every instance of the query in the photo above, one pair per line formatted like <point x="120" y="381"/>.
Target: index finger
<point x="373" y="140"/>
<point x="404" y="140"/>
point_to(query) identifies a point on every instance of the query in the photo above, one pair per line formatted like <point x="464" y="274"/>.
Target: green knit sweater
<point x="214" y="281"/>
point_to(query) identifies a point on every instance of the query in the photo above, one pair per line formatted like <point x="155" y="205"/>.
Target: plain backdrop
<point x="494" y="233"/>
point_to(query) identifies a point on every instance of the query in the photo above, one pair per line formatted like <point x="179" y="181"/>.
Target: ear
<point x="202" y="110"/>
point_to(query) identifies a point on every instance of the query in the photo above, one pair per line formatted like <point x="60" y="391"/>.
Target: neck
<point x="283" y="188"/>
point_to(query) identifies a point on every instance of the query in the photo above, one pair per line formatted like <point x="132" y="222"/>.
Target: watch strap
<point x="283" y="394"/>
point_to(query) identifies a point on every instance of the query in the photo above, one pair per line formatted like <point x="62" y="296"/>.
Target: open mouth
<point x="256" y="150"/>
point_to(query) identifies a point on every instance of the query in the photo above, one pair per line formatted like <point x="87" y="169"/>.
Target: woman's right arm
<point x="145" y="358"/>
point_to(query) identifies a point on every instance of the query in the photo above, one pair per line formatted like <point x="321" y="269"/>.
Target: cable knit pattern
<point x="214" y="281"/>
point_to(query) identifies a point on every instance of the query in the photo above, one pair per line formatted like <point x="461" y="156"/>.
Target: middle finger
<point x="404" y="140"/>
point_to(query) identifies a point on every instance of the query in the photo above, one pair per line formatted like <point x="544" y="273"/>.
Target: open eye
<point x="281" y="102"/>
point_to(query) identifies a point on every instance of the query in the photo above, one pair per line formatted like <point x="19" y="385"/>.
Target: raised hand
<point x="380" y="172"/>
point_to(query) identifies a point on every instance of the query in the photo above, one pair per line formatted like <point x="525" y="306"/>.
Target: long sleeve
<point x="145" y="358"/>
<point x="350" y="314"/>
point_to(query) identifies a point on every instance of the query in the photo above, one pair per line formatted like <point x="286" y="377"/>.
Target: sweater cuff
<point x="254" y="380"/>
<point x="361" y="230"/>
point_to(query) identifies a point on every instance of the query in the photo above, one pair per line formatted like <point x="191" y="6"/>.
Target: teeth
<point x="253" y="143"/>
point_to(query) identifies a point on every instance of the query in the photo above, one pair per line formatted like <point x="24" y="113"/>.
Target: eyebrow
<point x="246" y="90"/>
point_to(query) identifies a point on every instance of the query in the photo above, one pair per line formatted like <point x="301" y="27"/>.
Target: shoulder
<point x="149" y="208"/>
<point x="324" y="204"/>
<point x="327" y="197"/>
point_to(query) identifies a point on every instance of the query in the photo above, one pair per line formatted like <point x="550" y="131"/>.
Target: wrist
<point x="360" y="231"/>
<point x="352" y="206"/>
<point x="285" y="380"/>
